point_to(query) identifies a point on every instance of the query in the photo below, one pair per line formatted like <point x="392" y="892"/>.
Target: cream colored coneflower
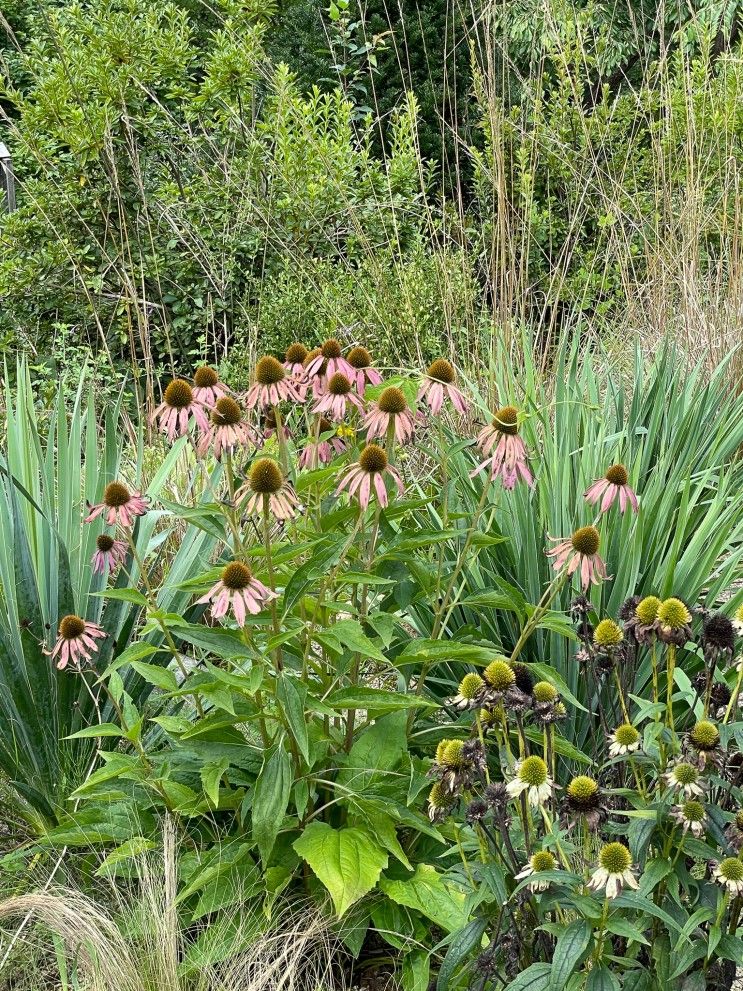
<point x="533" y="778"/>
<point x="614" y="870"/>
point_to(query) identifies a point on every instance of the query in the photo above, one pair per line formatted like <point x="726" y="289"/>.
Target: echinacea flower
<point x="207" y="388"/>
<point x="439" y="802"/>
<point x="266" y="485"/>
<point x="178" y="406"/>
<point x="533" y="778"/>
<point x="329" y="361"/>
<point x="227" y="430"/>
<point x="685" y="779"/>
<point x="718" y="638"/>
<point x="390" y="412"/>
<point x="322" y="451"/>
<point x="272" y="384"/>
<point x="643" y="619"/>
<point x="109" y="553"/>
<point x="317" y="377"/>
<point x="614" y="870"/>
<point x="364" y="372"/>
<point x="539" y="863"/>
<point x="438" y="384"/>
<point x="337" y="397"/>
<point x="691" y="816"/>
<point x="704" y="737"/>
<point x="498" y="679"/>
<point x="240" y="590"/>
<point x="608" y="635"/>
<point x="76" y="641"/>
<point x="614" y="485"/>
<point x="580" y="553"/>
<point x="583" y="802"/>
<point x="673" y="622"/>
<point x="505" y="452"/>
<point x="729" y="873"/>
<point x="469" y="691"/>
<point x="366" y="477"/>
<point x="119" y="505"/>
<point x="624" y="740"/>
<point x="294" y="367"/>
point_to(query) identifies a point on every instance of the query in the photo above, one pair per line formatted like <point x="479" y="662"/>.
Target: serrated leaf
<point x="431" y="895"/>
<point x="347" y="861"/>
<point x="534" y="978"/>
<point x="270" y="799"/>
<point x="155" y="675"/>
<point x="569" y="949"/>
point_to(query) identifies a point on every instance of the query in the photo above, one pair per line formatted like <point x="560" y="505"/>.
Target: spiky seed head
<point x="392" y="401"/>
<point x="692" y="811"/>
<point x="116" y="494"/>
<point x="673" y="614"/>
<point x="719" y="632"/>
<point x="269" y="370"/>
<point x="685" y="774"/>
<point x="178" y="394"/>
<point x="615" y="858"/>
<point x="339" y="385"/>
<point x="226" y="412"/>
<point x="373" y="458"/>
<point x="524" y="679"/>
<point x="488" y="717"/>
<point x="543" y="860"/>
<point x="647" y="609"/>
<point x="236" y="576"/>
<point x="586" y="540"/>
<point x="359" y="357"/>
<point x="583" y="789"/>
<point x="470" y="685"/>
<point x="617" y="475"/>
<point x="559" y="710"/>
<point x="103" y="542"/>
<point x="506" y="419"/>
<point x="331" y="348"/>
<point x="205" y="377"/>
<point x="265" y="476"/>
<point x="499" y="675"/>
<point x="437" y="797"/>
<point x="295" y="353"/>
<point x="608" y="634"/>
<point x="442" y="371"/>
<point x="533" y="771"/>
<point x="705" y="735"/>
<point x="442" y="745"/>
<point x="311" y="355"/>
<point x="71" y="627"/>
<point x="543" y="691"/>
<point x="452" y="755"/>
<point x="731" y="869"/>
<point x="626" y="735"/>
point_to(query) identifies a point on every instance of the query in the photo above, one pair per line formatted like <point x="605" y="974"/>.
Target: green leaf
<point x="211" y="775"/>
<point x="104" y="729"/>
<point x="534" y="978"/>
<point x="416" y="969"/>
<point x="431" y="895"/>
<point x="376" y="700"/>
<point x="348" y="635"/>
<point x="569" y="949"/>
<point x="347" y="861"/>
<point x="655" y="870"/>
<point x="155" y="675"/>
<point x="601" y="978"/>
<point x="621" y="927"/>
<point x="461" y="945"/>
<point x="130" y="848"/>
<point x="271" y="797"/>
<point x="124" y="595"/>
<point x="292" y="697"/>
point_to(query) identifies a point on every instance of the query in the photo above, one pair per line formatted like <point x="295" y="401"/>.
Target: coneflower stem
<point x="671" y="667"/>
<point x="283" y="456"/>
<point x="736" y="693"/>
<point x="623" y="704"/>
<point x="271" y="578"/>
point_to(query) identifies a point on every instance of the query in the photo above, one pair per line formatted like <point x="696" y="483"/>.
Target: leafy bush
<point x="289" y="732"/>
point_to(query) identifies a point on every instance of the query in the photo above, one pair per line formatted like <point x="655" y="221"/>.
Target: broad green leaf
<point x="429" y="893"/>
<point x="271" y="797"/>
<point x="460" y="946"/>
<point x="90" y="732"/>
<point x="347" y="861"/>
<point x="600" y="978"/>
<point x="211" y="776"/>
<point x="534" y="978"/>
<point x="131" y="848"/>
<point x="375" y="700"/>
<point x="569" y="949"/>
<point x="155" y="675"/>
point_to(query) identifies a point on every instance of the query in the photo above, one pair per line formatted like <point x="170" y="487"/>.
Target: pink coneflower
<point x="581" y="551"/>
<point x="109" y="553"/>
<point x="207" y="388"/>
<point x="294" y="366"/>
<point x="317" y="377"/>
<point x="266" y="481"/>
<point x="391" y="409"/>
<point x="238" y="588"/>
<point x="227" y="429"/>
<point x="366" y="477"/>
<point x="119" y="505"/>
<point x="331" y="355"/>
<point x="272" y="384"/>
<point x="438" y="384"/>
<point x="335" y="400"/>
<point x="364" y="372"/>
<point x="178" y="406"/>
<point x="76" y="641"/>
<point x="504" y="449"/>
<point x="322" y="452"/>
<point x="612" y="486"/>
